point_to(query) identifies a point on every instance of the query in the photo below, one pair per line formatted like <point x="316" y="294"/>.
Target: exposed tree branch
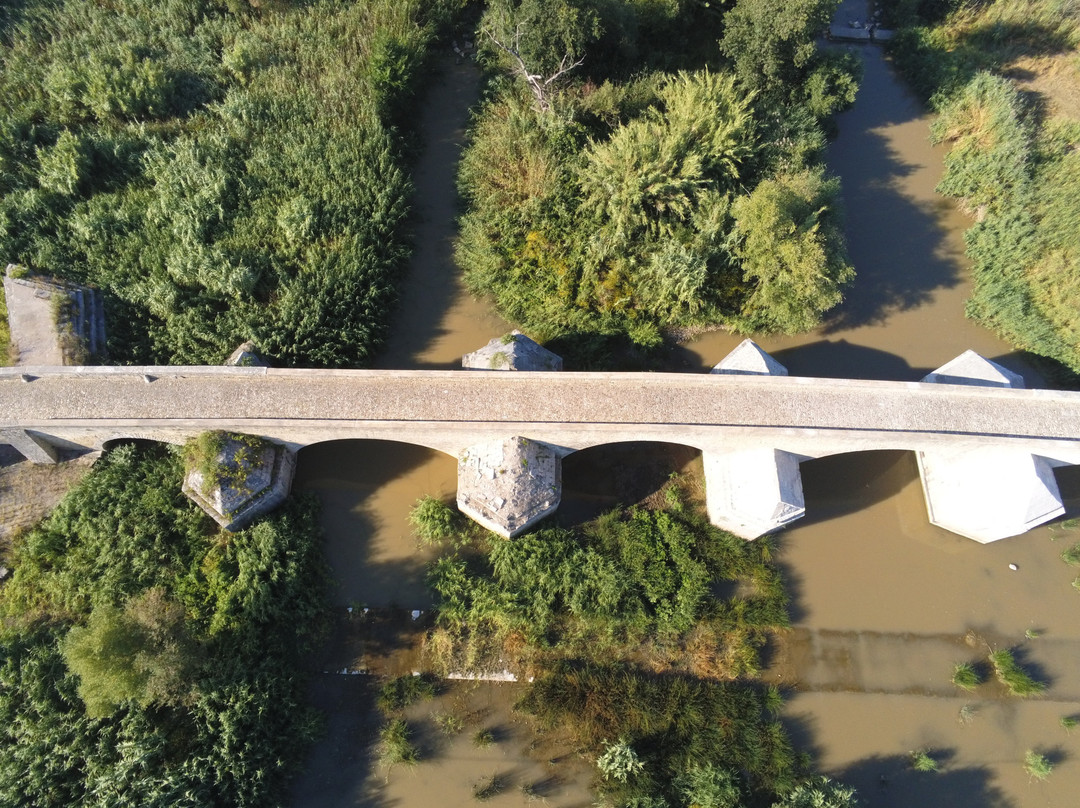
<point x="540" y="86"/>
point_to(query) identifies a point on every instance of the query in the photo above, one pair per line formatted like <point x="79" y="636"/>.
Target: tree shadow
<point x="337" y="767"/>
<point x="900" y="251"/>
<point x="840" y="359"/>
<point x="431" y="286"/>
<point x="889" y="781"/>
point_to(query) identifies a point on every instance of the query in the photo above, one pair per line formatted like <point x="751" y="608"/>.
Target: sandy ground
<point x="29" y="492"/>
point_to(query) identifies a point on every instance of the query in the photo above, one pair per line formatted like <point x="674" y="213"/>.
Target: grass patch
<point x="395" y="746"/>
<point x="1037" y="766"/>
<point x="923" y="761"/>
<point x="448" y="723"/>
<point x="1069" y="722"/>
<point x="399" y="693"/>
<point x="1071" y="555"/>
<point x="966" y="676"/>
<point x="1015" y="678"/>
<point x="483" y="738"/>
<point x="5" y="332"/>
<point x="489" y="787"/>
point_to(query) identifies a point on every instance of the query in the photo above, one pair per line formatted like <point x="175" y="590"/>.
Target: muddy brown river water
<point x="883" y="603"/>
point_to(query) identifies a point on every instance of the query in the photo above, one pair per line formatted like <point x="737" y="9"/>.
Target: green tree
<point x="771" y="42"/>
<point x="645" y="180"/>
<point x="140" y="653"/>
<point x="792" y="251"/>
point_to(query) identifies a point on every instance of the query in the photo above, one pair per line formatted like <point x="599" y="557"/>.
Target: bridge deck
<point x="674" y="404"/>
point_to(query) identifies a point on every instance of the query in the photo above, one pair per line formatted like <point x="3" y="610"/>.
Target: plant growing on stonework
<point x="222" y="458"/>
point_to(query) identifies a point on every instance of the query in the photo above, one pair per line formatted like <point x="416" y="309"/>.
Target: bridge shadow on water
<point x="366" y="490"/>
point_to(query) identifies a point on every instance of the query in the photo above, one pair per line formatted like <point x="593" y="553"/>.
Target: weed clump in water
<point x="1071" y="555"/>
<point x="1037" y="766"/>
<point x="448" y="723"/>
<point x="399" y="693"/>
<point x="923" y="761"/>
<point x="489" y="787"/>
<point x="395" y="746"/>
<point x="965" y="676"/>
<point x="1015" y="678"/>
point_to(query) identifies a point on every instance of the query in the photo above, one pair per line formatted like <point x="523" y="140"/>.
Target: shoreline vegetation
<point x="1002" y="77"/>
<point x="651" y="178"/>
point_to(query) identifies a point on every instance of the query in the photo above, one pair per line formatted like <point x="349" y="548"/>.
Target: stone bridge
<point x="986" y="448"/>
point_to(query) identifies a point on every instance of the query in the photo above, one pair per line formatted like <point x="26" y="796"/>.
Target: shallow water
<point x="882" y="600"/>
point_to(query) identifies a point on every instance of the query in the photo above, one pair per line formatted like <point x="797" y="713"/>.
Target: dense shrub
<point x="222" y="176"/>
<point x="148" y="659"/>
<point x="624" y="582"/>
<point x="609" y="209"/>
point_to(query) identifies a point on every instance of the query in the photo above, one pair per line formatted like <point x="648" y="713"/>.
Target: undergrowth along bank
<point x="148" y="658"/>
<point x="1013" y="163"/>
<point x="640" y="632"/>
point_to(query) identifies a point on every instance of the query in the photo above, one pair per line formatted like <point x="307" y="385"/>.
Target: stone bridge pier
<point x="510" y="485"/>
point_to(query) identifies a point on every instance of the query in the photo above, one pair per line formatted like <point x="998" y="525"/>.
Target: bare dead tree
<point x="540" y="86"/>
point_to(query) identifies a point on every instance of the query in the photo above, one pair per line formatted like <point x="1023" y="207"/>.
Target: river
<point x="883" y="603"/>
